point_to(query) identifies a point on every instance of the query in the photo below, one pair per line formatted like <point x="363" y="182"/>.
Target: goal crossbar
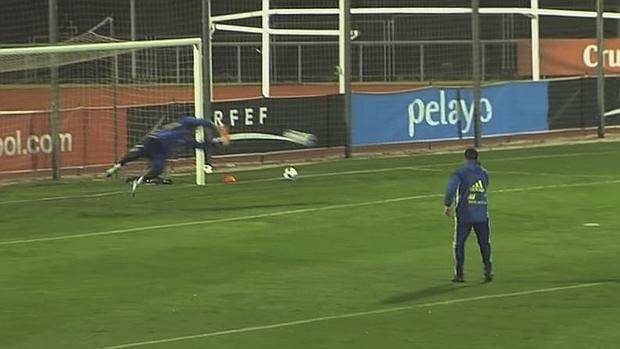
<point x="107" y="46"/>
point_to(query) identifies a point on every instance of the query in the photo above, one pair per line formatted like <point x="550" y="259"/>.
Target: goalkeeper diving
<point x="159" y="144"/>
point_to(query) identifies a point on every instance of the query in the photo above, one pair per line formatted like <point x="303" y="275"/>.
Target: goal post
<point x="20" y="68"/>
<point x="199" y="111"/>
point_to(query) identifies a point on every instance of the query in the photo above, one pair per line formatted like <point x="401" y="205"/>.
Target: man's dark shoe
<point x="458" y="279"/>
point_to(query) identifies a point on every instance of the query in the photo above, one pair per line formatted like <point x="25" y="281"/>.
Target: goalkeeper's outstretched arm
<point x="193" y="122"/>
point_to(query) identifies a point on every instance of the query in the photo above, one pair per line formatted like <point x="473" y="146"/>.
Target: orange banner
<point x="569" y="57"/>
<point x="87" y="137"/>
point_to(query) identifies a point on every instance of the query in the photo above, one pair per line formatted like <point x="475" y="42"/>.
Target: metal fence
<point x="373" y="61"/>
<point x="306" y="62"/>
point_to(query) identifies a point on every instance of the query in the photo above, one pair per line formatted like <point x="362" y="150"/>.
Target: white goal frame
<point x="195" y="43"/>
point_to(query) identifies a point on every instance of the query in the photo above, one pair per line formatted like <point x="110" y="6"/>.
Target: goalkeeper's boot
<point x="130" y="179"/>
<point x="112" y="170"/>
<point x="158" y="180"/>
<point x="134" y="185"/>
<point x="154" y="180"/>
<point x="488" y="277"/>
<point x="209" y="168"/>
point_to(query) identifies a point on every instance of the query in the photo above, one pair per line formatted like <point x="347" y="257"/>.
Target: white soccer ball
<point x="289" y="173"/>
<point x="208" y="169"/>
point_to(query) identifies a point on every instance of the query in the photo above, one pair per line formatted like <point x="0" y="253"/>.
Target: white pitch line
<point x="352" y="315"/>
<point x="525" y="173"/>
<point x="378" y="170"/>
<point x="421" y="168"/>
<point x="288" y="212"/>
<point x="65" y="197"/>
<point x="518" y="158"/>
<point x="428" y="167"/>
<point x="548" y="156"/>
<point x="221" y="220"/>
<point x="263" y="180"/>
<point x="345" y="173"/>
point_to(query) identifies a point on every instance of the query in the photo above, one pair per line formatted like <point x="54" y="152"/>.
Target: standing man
<point x="469" y="185"/>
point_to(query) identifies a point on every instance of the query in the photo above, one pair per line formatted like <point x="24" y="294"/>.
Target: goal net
<point x="111" y="94"/>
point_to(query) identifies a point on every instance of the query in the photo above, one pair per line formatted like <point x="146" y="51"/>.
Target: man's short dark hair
<point x="471" y="154"/>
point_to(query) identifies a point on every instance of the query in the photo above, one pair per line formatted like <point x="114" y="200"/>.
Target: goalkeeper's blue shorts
<point x="155" y="151"/>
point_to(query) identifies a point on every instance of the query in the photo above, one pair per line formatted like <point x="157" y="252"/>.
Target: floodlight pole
<point x="600" y="67"/>
<point x="266" y="52"/>
<point x="54" y="90"/>
<point x="618" y="22"/>
<point x="535" y="43"/>
<point x="114" y="93"/>
<point x="132" y="23"/>
<point x="475" y="29"/>
<point x="344" y="71"/>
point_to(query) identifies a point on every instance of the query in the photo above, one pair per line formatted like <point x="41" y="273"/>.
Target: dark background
<point x="388" y="49"/>
<point x="23" y="20"/>
<point x="572" y="102"/>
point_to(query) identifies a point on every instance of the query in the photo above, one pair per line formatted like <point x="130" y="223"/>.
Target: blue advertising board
<point x="447" y="113"/>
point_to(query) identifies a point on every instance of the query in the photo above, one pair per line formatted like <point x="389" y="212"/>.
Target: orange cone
<point x="229" y="179"/>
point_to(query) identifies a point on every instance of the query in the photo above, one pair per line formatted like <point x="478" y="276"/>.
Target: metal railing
<point x="373" y="61"/>
<point x="307" y="62"/>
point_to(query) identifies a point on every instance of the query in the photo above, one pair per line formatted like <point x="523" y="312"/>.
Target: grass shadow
<point x="423" y="293"/>
<point x="108" y="214"/>
<point x="290" y="206"/>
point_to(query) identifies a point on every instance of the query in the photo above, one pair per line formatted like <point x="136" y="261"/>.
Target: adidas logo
<point x="477" y="187"/>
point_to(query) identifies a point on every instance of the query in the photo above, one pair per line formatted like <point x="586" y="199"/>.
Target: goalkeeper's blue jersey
<point x="179" y="133"/>
<point x="469" y="185"/>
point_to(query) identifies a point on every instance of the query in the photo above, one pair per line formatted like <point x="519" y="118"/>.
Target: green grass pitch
<point x="354" y="254"/>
